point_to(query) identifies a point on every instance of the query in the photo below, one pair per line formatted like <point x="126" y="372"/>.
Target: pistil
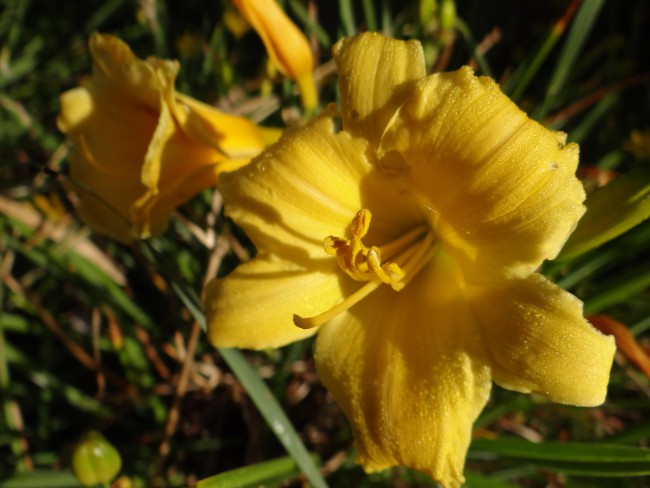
<point x="356" y="297"/>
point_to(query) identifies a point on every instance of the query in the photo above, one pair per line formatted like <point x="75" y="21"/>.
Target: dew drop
<point x="278" y="428"/>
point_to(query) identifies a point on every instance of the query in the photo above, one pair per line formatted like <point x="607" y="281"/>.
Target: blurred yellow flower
<point x="188" y="45"/>
<point x="639" y="144"/>
<point x="410" y="240"/>
<point x="236" y="24"/>
<point x="141" y="148"/>
<point x="285" y="44"/>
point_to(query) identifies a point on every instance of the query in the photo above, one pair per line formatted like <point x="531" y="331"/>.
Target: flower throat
<point x="394" y="264"/>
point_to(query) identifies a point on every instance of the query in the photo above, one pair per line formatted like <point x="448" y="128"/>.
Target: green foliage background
<point x="57" y="306"/>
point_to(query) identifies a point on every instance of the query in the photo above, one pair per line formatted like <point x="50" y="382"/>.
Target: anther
<point x="360" y="262"/>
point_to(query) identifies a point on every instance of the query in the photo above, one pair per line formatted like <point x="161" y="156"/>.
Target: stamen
<point x="356" y="297"/>
<point x="408" y="254"/>
<point x="361" y="223"/>
<point x="390" y="249"/>
<point x="389" y="273"/>
<point x="424" y="253"/>
<point x="362" y="263"/>
<point x="410" y="261"/>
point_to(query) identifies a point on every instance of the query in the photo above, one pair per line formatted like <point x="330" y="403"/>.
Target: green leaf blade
<point x="611" y="211"/>
<point x="591" y="460"/>
<point x="255" y="475"/>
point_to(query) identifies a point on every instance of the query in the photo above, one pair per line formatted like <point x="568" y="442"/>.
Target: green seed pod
<point x="95" y="460"/>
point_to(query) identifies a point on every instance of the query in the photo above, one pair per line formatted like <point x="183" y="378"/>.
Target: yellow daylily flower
<point x="140" y="148"/>
<point x="285" y="44"/>
<point x="409" y="239"/>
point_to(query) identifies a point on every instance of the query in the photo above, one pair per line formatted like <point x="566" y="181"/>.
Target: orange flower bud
<point x="285" y="43"/>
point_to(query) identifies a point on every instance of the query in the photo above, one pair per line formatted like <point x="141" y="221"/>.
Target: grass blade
<point x="578" y="33"/>
<point x="301" y="13"/>
<point x="482" y="63"/>
<point x="346" y="13"/>
<point x="611" y="211"/>
<point x="592" y="460"/>
<point x="531" y="66"/>
<point x="595" y="115"/>
<point x="255" y="475"/>
<point x="620" y="290"/>
<point x="102" y="15"/>
<point x="369" y="14"/>
<point x="476" y="480"/>
<point x="42" y="479"/>
<point x="273" y="414"/>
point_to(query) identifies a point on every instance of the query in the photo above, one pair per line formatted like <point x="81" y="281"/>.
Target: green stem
<point x="369" y="14"/>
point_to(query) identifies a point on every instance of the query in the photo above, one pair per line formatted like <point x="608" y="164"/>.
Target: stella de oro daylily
<point x="409" y="239"/>
<point x="141" y="148"/>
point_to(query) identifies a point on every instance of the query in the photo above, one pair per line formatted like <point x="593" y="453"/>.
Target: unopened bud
<point x="95" y="460"/>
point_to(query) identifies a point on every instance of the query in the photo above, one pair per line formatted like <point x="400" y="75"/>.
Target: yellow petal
<point x="105" y="198"/>
<point x="284" y="42"/>
<point x="150" y="213"/>
<point x="540" y="342"/>
<point x="118" y="73"/>
<point x="270" y="135"/>
<point x="253" y="307"/>
<point x="76" y="107"/>
<point x="307" y="88"/>
<point x="152" y="164"/>
<point x="409" y="371"/>
<point x="501" y="187"/>
<point x="105" y="128"/>
<point x="235" y="136"/>
<point x="374" y="72"/>
<point x="309" y="186"/>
